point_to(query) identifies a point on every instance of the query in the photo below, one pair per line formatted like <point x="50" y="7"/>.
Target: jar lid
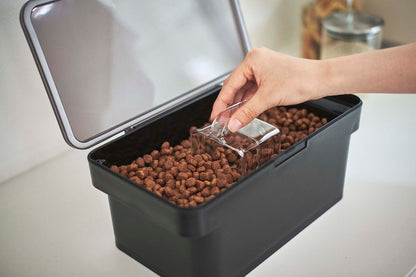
<point x="353" y="23"/>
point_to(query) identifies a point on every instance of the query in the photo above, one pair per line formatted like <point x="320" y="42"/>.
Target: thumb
<point x="249" y="111"/>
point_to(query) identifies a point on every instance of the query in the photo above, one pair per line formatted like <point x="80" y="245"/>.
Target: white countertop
<point x="55" y="223"/>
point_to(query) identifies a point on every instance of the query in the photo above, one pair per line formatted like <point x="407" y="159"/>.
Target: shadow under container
<point x="239" y="228"/>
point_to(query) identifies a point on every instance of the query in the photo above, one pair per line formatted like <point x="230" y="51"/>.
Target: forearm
<point x="391" y="70"/>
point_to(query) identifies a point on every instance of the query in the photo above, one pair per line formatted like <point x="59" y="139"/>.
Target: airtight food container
<point x="139" y="73"/>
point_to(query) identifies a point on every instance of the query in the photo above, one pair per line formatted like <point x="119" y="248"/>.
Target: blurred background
<point x="29" y="132"/>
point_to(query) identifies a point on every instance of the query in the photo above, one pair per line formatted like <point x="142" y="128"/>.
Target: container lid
<point x="353" y="23"/>
<point x="109" y="65"/>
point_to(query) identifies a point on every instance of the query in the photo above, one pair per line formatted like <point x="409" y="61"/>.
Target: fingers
<point x="237" y="79"/>
<point x="247" y="113"/>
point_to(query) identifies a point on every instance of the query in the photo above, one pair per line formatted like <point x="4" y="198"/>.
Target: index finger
<point x="237" y="79"/>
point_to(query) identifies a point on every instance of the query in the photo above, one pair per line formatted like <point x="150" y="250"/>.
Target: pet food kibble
<point x="182" y="176"/>
<point x="147" y="159"/>
<point x="140" y="162"/>
<point x="199" y="199"/>
<point x="149" y="182"/>
<point x="166" y="151"/>
<point x="189" y="180"/>
<point x="168" y="164"/>
<point x="183" y="167"/>
<point x="186" y="143"/>
<point x="155" y="154"/>
<point x="141" y="174"/>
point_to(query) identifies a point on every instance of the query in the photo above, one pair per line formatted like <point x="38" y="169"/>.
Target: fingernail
<point x="235" y="125"/>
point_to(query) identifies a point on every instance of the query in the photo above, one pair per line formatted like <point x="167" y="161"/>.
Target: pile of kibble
<point x="189" y="180"/>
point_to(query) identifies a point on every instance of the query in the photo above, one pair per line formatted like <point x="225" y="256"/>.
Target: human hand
<point x="267" y="79"/>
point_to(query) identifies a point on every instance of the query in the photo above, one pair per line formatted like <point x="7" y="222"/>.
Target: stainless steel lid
<point x="353" y="23"/>
<point x="108" y="65"/>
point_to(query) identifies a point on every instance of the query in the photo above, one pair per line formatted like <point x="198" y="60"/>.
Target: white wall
<point x="29" y="132"/>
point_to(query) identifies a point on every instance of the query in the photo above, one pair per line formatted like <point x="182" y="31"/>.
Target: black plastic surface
<point x="235" y="231"/>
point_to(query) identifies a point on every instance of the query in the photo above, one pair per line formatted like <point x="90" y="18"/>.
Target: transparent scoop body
<point x="246" y="149"/>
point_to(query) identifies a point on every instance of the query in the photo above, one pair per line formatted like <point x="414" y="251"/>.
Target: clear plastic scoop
<point x="245" y="149"/>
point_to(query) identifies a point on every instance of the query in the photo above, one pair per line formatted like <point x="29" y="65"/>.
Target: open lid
<point x="109" y="65"/>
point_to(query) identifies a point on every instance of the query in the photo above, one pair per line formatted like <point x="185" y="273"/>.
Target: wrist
<point x="322" y="81"/>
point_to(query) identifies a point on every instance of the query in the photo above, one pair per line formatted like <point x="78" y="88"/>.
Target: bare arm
<point x="268" y="79"/>
<point x="391" y="70"/>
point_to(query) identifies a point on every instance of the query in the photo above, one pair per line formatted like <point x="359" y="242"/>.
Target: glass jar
<point x="346" y="33"/>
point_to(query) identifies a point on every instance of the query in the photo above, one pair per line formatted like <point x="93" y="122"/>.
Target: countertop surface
<point x="55" y="223"/>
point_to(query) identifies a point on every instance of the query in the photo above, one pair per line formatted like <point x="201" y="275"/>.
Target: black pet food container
<point x="129" y="78"/>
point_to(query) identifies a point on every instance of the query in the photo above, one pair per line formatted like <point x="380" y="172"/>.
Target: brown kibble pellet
<point x="303" y="126"/>
<point x="170" y="183"/>
<point x="140" y="162"/>
<point x="182" y="176"/>
<point x="190" y="182"/>
<point x="199" y="199"/>
<point x="169" y="192"/>
<point x="306" y="121"/>
<point x="132" y="167"/>
<point x="209" y="197"/>
<point x="200" y="185"/>
<point x="191" y="168"/>
<point x="131" y="173"/>
<point x="153" y="174"/>
<point x="169" y="176"/>
<point x="149" y="182"/>
<point x="232" y="157"/>
<point x="166" y="151"/>
<point x="183" y="167"/>
<point x="216" y="165"/>
<point x="165" y="145"/>
<point x="154" y="163"/>
<point x="141" y="174"/>
<point x="193" y="162"/>
<point x="135" y="179"/>
<point x="205" y="192"/>
<point x="155" y="154"/>
<point x="115" y="168"/>
<point x="215" y="190"/>
<point x="203" y="176"/>
<point x="186" y="144"/>
<point x="174" y="170"/>
<point x="178" y="148"/>
<point x="168" y="164"/>
<point x="192" y="203"/>
<point x="221" y="182"/>
<point x="147" y="159"/>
